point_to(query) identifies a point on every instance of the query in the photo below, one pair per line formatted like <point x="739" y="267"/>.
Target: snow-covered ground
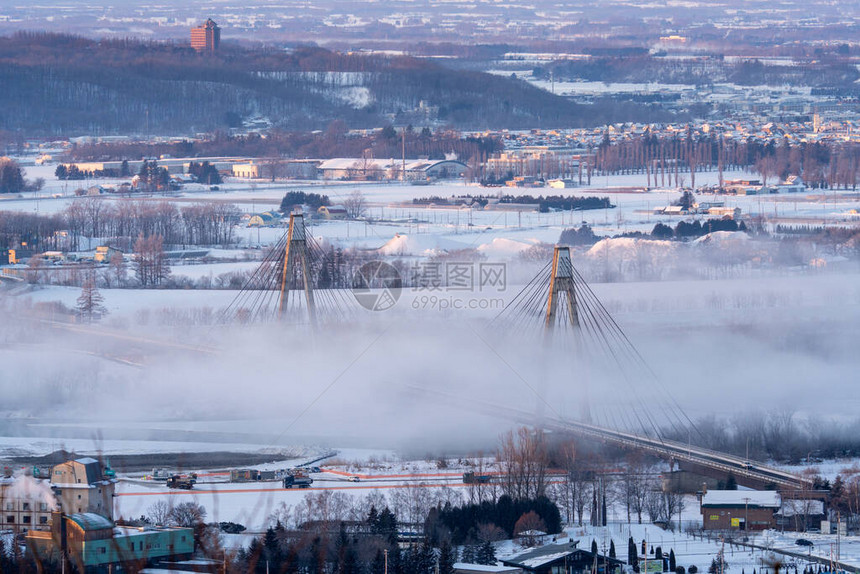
<point x="693" y="550"/>
<point x="721" y="346"/>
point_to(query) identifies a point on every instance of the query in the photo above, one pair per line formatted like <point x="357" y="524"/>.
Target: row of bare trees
<point x="122" y="221"/>
<point x="670" y="160"/>
<point x="586" y="491"/>
<point x="121" y="224"/>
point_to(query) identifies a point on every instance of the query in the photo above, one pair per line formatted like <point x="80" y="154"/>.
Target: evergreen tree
<point x="408" y="563"/>
<point x="486" y="554"/>
<point x="632" y="556"/>
<point x="447" y="558"/>
<point x="378" y="564"/>
<point x="687" y="200"/>
<point x="731" y="482"/>
<point x="662" y="231"/>
<point x="396" y="560"/>
<point x="388" y="525"/>
<point x="658" y="554"/>
<point x="468" y="555"/>
<point x="271" y="552"/>
<point x="341" y="549"/>
<point x="594" y="546"/>
<point x="11" y="176"/>
<point x="425" y="559"/>
<point x="612" y="549"/>
<point x="256" y="560"/>
<point x="350" y="563"/>
<point x="672" y="562"/>
<point x="372" y="520"/>
<point x="317" y="557"/>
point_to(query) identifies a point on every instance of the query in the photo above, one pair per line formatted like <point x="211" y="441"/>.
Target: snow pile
<point x="356" y="96"/>
<point x="501" y="247"/>
<point x="626" y="251"/>
<point x="626" y="257"/>
<point x="627" y="247"/>
<point x="427" y="245"/>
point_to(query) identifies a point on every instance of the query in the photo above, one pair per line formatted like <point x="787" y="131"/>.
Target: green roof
<point x="91" y="521"/>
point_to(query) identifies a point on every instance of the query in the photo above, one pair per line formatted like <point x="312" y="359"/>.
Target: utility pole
<point x="403" y="154"/>
<point x="385" y="553"/>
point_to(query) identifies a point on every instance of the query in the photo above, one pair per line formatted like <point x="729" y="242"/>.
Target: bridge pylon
<point x="296" y="258"/>
<point x="561" y="287"/>
<point x="562" y="293"/>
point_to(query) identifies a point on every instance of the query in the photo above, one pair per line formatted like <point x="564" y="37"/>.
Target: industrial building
<point x="80" y="486"/>
<point x="173" y="165"/>
<point x="90" y="540"/>
<point x="71" y="515"/>
<point x="26" y="503"/>
<point x="390" y="169"/>
<point x="740" y="509"/>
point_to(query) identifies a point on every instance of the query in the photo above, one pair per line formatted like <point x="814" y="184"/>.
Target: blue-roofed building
<point x="90" y="540"/>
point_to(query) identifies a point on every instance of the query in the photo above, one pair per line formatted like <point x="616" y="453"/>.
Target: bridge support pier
<point x="296" y="253"/>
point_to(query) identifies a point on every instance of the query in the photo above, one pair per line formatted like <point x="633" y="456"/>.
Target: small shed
<point x="332" y="211"/>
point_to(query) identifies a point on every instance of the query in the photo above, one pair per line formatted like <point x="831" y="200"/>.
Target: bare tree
<point x="355" y="205"/>
<point x="654" y="505"/>
<point x="117" y="266"/>
<point x="150" y="263"/>
<point x="635" y="489"/>
<point x="188" y="514"/>
<point x="523" y="458"/>
<point x="412" y="502"/>
<point x="673" y="501"/>
<point x="158" y="513"/>
<point x="479" y="490"/>
<point x="488" y="532"/>
<point x="528" y="527"/>
<point x="90" y="305"/>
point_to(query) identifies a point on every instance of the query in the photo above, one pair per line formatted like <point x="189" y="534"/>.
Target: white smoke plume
<point x="30" y="489"/>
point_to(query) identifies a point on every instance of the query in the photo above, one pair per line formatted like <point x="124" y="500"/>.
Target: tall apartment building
<point x="206" y="37"/>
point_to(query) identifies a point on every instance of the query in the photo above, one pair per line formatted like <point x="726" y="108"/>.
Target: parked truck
<point x="472" y="478"/>
<point x="297" y="480"/>
<point x="181" y="482"/>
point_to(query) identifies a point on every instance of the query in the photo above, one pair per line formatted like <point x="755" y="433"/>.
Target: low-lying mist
<point x="422" y="381"/>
